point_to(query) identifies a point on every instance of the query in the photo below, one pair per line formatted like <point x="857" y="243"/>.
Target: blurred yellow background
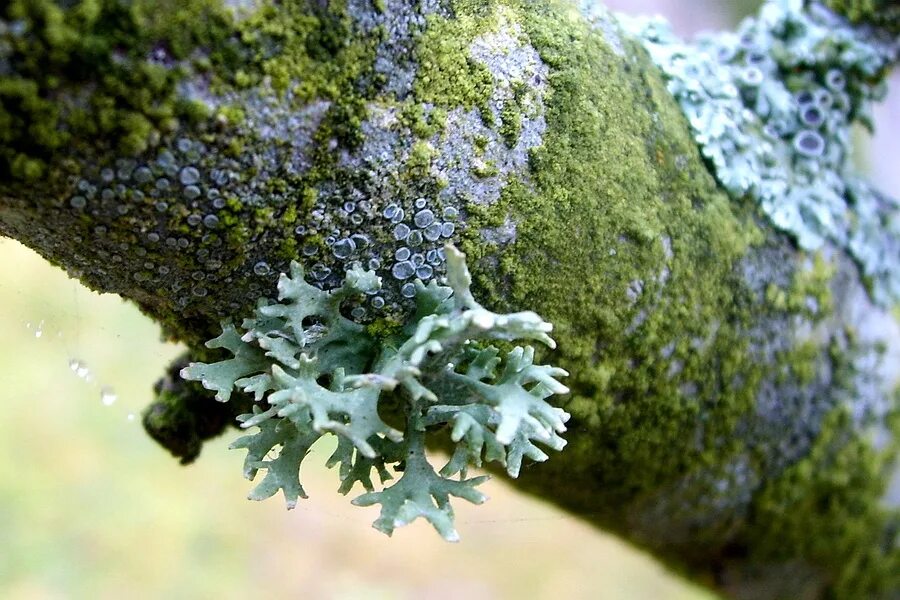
<point x="90" y="507"/>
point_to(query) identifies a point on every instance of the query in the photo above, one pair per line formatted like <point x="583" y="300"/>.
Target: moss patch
<point x="882" y="13"/>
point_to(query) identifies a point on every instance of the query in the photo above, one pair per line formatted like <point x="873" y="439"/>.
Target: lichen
<point x="312" y="371"/>
<point x="772" y="107"/>
<point x="706" y="349"/>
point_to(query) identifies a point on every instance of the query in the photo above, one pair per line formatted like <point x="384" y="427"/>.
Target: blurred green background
<point x="90" y="507"/>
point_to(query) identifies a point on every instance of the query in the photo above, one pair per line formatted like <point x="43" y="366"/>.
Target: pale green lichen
<point x="772" y="107"/>
<point x="312" y="371"/>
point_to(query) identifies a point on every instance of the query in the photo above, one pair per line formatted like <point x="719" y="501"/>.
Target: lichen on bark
<point x="726" y="385"/>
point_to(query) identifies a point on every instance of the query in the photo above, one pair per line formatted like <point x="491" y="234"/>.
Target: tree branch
<point x="733" y="395"/>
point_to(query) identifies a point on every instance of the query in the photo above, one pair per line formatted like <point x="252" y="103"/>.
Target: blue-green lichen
<point x="772" y="105"/>
<point x="312" y="372"/>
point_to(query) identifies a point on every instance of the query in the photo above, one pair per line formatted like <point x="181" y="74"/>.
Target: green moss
<point x="883" y="13"/>
<point x="618" y="199"/>
<point x="809" y="294"/>
<point x="105" y="43"/>
<point x="511" y="116"/>
<point x="448" y="76"/>
<point x="826" y="509"/>
<point x="608" y="190"/>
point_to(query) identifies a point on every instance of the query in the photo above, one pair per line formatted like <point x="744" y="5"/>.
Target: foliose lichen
<point x="772" y="107"/>
<point x="313" y="372"/>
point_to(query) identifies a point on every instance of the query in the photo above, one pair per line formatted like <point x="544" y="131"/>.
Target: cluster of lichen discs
<point x="772" y="108"/>
<point x="414" y="233"/>
<point x="177" y="206"/>
<point x="312" y="372"/>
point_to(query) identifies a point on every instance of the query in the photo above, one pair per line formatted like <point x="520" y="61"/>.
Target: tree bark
<point x="733" y="398"/>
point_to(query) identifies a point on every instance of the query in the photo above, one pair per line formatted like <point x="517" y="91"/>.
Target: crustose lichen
<point x="314" y="372"/>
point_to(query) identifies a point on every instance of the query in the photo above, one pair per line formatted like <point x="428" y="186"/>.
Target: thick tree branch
<point x="733" y="398"/>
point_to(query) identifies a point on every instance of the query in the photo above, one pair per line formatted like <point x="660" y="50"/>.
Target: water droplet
<point x="447" y="229"/>
<point x="80" y="369"/>
<point x="403" y="270"/>
<point x="191" y="192"/>
<point x="401" y="232"/>
<point x="262" y="268"/>
<point x="189" y="176"/>
<point x="424" y="218"/>
<point x="343" y="248"/>
<point x="433" y="232"/>
<point x="165" y="158"/>
<point x="108" y="396"/>
<point x="143" y="175"/>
